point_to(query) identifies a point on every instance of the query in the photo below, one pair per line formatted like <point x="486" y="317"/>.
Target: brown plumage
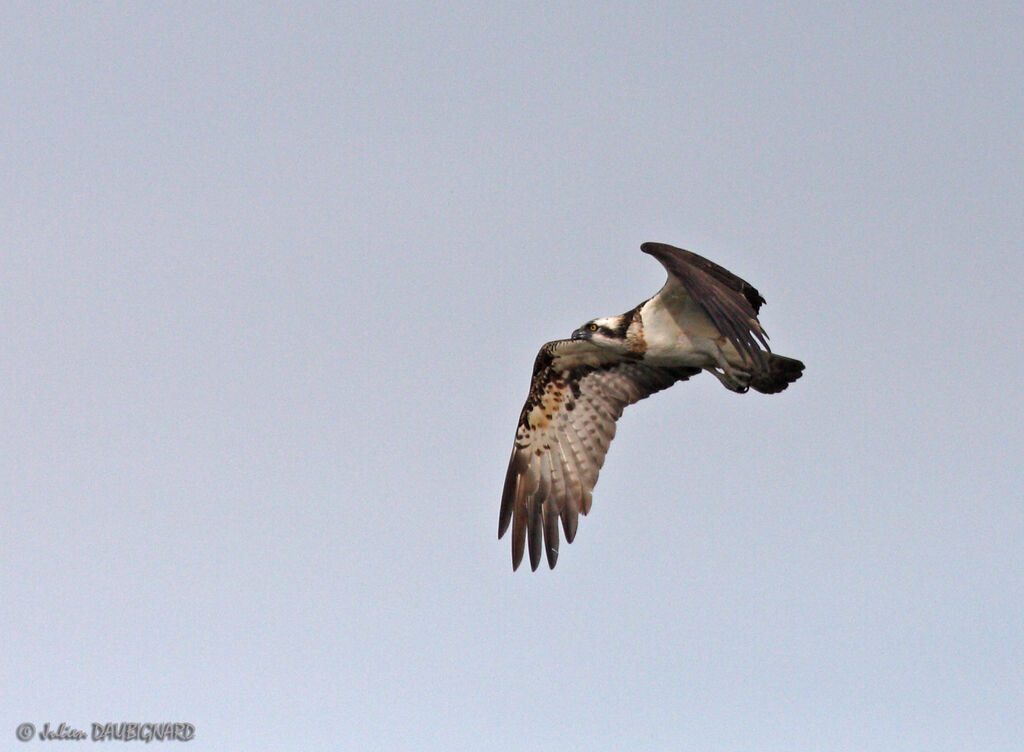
<point x="704" y="318"/>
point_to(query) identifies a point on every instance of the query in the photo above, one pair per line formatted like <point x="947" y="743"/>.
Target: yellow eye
<point x="592" y="327"/>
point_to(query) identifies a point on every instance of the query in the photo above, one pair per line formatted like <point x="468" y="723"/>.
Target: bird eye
<point x="592" y="327"/>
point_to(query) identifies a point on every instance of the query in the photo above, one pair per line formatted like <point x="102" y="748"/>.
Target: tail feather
<point x="782" y="372"/>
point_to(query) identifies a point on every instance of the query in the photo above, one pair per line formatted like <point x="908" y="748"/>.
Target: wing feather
<point x="551" y="540"/>
<point x="553" y="501"/>
<point x="519" y="516"/>
<point x="730" y="302"/>
<point x="534" y="528"/>
<point x="577" y="393"/>
<point x="573" y="488"/>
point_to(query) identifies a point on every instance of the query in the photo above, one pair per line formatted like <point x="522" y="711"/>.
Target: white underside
<point x="678" y="332"/>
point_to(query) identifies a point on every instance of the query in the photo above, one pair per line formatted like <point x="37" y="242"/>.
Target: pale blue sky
<point x="274" y="279"/>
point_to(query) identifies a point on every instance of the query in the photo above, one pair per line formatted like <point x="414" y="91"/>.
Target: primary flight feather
<point x="703" y="319"/>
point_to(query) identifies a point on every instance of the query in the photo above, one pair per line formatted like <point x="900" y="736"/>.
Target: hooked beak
<point x="580" y="334"/>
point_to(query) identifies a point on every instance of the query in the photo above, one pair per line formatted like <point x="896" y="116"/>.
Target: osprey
<point x="703" y="319"/>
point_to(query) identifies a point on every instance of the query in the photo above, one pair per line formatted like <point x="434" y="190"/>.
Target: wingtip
<point x="652" y="247"/>
<point x="534" y="544"/>
<point x="551" y="539"/>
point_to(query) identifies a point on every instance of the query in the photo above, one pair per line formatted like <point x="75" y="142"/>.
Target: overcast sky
<point x="273" y="281"/>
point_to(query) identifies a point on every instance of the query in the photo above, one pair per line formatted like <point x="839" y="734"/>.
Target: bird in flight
<point x="703" y="319"/>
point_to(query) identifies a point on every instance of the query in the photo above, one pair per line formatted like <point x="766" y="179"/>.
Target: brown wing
<point x="730" y="302"/>
<point x="568" y="421"/>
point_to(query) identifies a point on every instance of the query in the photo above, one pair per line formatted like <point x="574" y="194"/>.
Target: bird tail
<point x="781" y="372"/>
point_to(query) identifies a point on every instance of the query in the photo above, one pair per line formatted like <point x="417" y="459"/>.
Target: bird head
<point x="607" y="332"/>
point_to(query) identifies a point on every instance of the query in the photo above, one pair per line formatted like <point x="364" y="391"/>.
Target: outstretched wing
<point x="730" y="302"/>
<point x="578" y="392"/>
